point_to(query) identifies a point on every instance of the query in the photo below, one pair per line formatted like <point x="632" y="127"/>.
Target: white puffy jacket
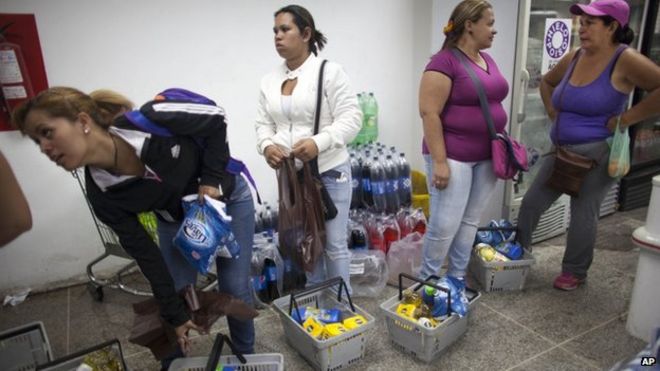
<point x="341" y="117"/>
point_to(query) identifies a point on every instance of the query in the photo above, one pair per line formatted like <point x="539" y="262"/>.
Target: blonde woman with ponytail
<point x="285" y="124"/>
<point x="128" y="171"/>
<point x="456" y="143"/>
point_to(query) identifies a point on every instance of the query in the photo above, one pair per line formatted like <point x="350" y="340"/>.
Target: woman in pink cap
<point x="586" y="94"/>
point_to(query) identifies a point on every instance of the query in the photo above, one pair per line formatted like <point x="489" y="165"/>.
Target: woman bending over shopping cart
<point x="128" y="171"/>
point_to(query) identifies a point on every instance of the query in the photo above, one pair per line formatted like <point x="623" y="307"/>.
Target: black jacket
<point x="176" y="166"/>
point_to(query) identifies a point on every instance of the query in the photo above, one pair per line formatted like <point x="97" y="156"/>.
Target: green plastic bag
<point x="619" y="152"/>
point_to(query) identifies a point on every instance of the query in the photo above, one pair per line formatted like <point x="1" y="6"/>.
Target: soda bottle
<point x="376" y="237"/>
<point x="270" y="271"/>
<point x="371" y="117"/>
<point x="267" y="220"/>
<point x="405" y="221"/>
<point x="360" y="138"/>
<point x="258" y="223"/>
<point x="365" y="179"/>
<point x="391" y="232"/>
<point x="418" y="220"/>
<point x="405" y="183"/>
<point x="392" y="185"/>
<point x="378" y="179"/>
<point x="356" y="174"/>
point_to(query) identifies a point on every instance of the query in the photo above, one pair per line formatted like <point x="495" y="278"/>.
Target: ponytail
<point x="623" y="35"/>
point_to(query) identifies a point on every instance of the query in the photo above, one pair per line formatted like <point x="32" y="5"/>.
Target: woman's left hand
<point x="213" y="192"/>
<point x="305" y="149"/>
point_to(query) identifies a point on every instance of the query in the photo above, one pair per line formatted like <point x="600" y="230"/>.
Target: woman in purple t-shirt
<point x="456" y="141"/>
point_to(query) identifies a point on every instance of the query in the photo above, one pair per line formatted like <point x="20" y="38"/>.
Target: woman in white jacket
<point x="285" y="124"/>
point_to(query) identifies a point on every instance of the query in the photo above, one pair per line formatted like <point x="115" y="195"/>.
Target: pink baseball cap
<point x="617" y="9"/>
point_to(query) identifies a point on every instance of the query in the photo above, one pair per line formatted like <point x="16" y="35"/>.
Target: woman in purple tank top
<point x="585" y="95"/>
<point x="456" y="139"/>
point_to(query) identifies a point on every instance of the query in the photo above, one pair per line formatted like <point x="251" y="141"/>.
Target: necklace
<point x="114" y="144"/>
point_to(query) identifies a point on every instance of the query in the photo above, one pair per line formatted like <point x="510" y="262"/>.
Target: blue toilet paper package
<point x="205" y="233"/>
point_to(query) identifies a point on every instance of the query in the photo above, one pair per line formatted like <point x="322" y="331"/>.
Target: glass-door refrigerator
<point x="635" y="190"/>
<point x="529" y="121"/>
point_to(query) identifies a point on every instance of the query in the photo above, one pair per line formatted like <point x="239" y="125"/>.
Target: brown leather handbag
<point x="570" y="168"/>
<point x="569" y="171"/>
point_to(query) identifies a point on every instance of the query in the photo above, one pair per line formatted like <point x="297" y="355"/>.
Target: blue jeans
<point x="336" y="258"/>
<point x="233" y="274"/>
<point x="455" y="213"/>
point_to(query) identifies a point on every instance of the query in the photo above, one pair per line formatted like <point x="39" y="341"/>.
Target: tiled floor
<point x="539" y="328"/>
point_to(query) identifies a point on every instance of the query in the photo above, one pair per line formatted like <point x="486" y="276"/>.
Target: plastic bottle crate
<point x="424" y="343"/>
<point x="255" y="362"/>
<point x="501" y="276"/>
<point x="331" y="354"/>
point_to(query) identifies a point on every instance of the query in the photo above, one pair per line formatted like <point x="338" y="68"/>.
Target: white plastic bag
<point x="405" y="256"/>
<point x="368" y="272"/>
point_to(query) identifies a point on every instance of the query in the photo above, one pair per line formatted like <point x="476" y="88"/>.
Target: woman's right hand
<point x="182" y="335"/>
<point x="274" y="155"/>
<point x="441" y="174"/>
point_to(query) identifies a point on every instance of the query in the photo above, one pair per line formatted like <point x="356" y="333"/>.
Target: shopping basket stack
<point x="425" y="343"/>
<point x="331" y="353"/>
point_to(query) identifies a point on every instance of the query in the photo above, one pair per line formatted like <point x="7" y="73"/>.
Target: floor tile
<point x="50" y="308"/>
<point x="606" y="345"/>
<point x="555" y="360"/>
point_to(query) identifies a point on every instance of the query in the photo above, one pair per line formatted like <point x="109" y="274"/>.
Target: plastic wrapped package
<point x="369" y="272"/>
<point x="266" y="270"/>
<point x="205" y="233"/>
<point x="405" y="256"/>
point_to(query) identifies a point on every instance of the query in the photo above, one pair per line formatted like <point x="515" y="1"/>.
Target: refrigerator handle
<point x="524" y="83"/>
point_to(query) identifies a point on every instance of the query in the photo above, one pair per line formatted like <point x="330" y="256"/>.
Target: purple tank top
<point x="585" y="110"/>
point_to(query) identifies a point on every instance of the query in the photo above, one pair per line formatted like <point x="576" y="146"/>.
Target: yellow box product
<point x="355" y="321"/>
<point x="333" y="329"/>
<point x="313" y="327"/>
<point x="406" y="310"/>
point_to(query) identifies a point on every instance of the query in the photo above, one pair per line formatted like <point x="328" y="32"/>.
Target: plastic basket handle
<point x="513" y="229"/>
<point x="216" y="351"/>
<point x="318" y="287"/>
<point x="421" y="283"/>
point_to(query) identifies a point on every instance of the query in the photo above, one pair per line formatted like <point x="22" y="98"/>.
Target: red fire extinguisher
<point x="15" y="83"/>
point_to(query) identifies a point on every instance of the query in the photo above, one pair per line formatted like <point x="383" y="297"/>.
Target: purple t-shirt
<point x="463" y="124"/>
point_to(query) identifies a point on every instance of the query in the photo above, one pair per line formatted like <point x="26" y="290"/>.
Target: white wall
<point x="218" y="48"/>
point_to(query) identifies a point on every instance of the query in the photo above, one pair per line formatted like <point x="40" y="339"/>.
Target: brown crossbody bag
<point x="570" y="168"/>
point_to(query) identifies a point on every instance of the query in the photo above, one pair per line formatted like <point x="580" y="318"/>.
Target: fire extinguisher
<point x="14" y="77"/>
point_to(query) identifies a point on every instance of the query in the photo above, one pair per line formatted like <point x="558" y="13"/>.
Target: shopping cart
<point x="113" y="248"/>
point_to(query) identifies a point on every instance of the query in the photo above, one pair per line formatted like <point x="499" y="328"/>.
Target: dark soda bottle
<point x="271" y="280"/>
